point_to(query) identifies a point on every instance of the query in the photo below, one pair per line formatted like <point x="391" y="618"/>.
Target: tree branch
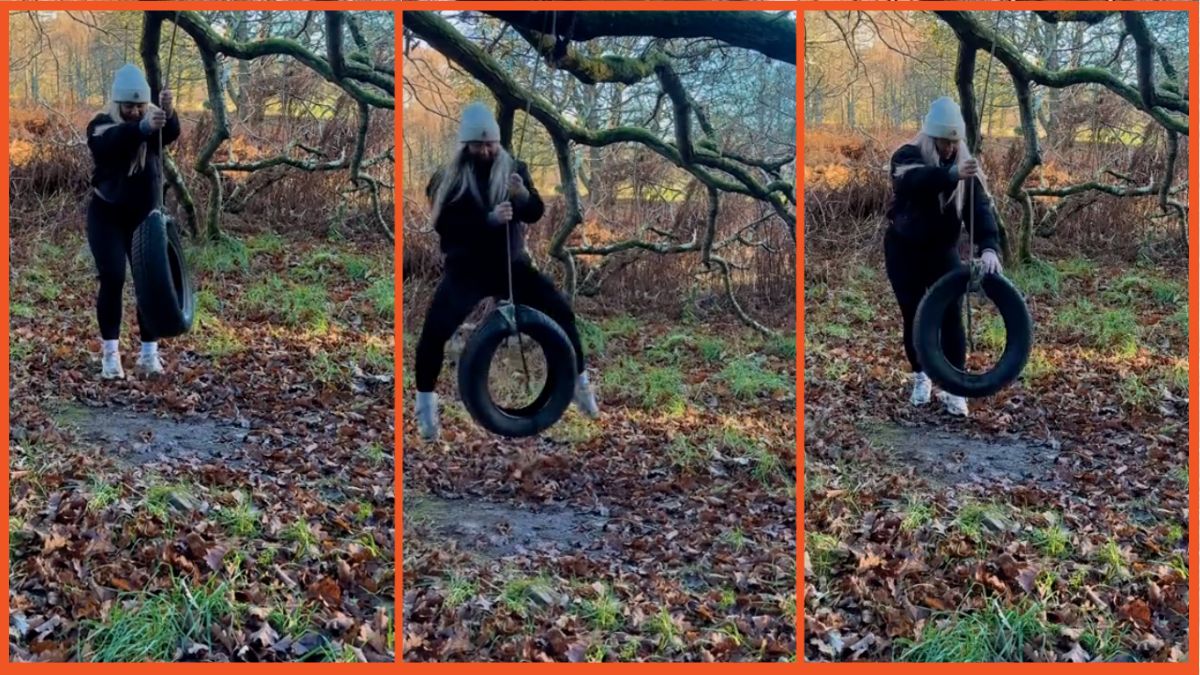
<point x="770" y="34"/>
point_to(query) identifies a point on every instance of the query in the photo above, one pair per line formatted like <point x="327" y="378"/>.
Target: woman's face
<point x="484" y="151"/>
<point x="946" y="148"/>
<point x="132" y="112"/>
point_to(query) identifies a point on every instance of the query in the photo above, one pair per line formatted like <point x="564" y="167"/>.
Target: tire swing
<point x="943" y="297"/>
<point x="161" y="278"/>
<point x="512" y="320"/>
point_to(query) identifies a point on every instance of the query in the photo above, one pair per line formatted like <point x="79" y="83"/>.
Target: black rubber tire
<point x="161" y="279"/>
<point x="475" y="363"/>
<point x="927" y="334"/>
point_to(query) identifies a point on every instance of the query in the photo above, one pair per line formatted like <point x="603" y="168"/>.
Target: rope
<point x="971" y="185"/>
<point x="508" y="224"/>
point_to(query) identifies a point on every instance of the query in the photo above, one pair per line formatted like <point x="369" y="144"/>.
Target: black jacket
<point x="922" y="211"/>
<point x="468" y="239"/>
<point x="114" y="151"/>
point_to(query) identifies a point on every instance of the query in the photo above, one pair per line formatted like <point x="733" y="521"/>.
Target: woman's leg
<point x="106" y="240"/>
<point x="954" y="336"/>
<point x="536" y="290"/>
<point x="455" y="297"/>
<point x="907" y="276"/>
<point x="149" y="339"/>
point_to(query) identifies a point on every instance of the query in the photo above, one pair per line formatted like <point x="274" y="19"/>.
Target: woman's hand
<point x="166" y="101"/>
<point x="990" y="262"/>
<point x="516" y="186"/>
<point x="503" y="212"/>
<point x="153" y="121"/>
<point x="968" y="169"/>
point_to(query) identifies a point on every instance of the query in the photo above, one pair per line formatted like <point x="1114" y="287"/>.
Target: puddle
<point x="141" y="437"/>
<point x="496" y="530"/>
<point x="946" y="458"/>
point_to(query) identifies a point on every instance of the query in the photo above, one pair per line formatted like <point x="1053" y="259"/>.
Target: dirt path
<point x="663" y="531"/>
<point x="1054" y="517"/>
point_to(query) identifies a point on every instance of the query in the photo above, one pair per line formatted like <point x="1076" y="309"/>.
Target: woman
<point x="480" y="190"/>
<point x="124" y="142"/>
<point x="925" y="221"/>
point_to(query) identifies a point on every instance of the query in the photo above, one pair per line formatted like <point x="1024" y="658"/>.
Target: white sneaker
<point x="922" y="389"/>
<point x="955" y="405"/>
<point x="427" y="415"/>
<point x="585" y="398"/>
<point x="149" y="364"/>
<point x="110" y="366"/>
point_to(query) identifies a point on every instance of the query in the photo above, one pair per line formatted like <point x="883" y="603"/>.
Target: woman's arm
<point x="528" y="208"/>
<point x="911" y="174"/>
<point x="112" y="142"/>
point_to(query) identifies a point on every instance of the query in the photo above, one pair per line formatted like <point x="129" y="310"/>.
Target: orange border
<point x="1194" y="162"/>
<point x="800" y="8"/>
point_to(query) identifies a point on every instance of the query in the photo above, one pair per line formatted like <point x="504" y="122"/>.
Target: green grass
<point x="293" y="304"/>
<point x="1053" y="540"/>
<point x="992" y="333"/>
<point x="1078" y="268"/>
<point x="836" y="330"/>
<point x="221" y="256"/>
<point x="101" y="495"/>
<point x="302" y="535"/>
<point x="240" y="519"/>
<point x="157" y="500"/>
<point x="602" y="612"/>
<point x="1103" y="643"/>
<point x="517" y="594"/>
<point x="381" y="296"/>
<point x="1113" y="559"/>
<point x="154" y="625"/>
<point x="671" y="350"/>
<point x="375" y="357"/>
<point x="326" y="370"/>
<point x="357" y="267"/>
<point x="972" y="517"/>
<point x="783" y="346"/>
<point x="1177" y="376"/>
<point x="1036" y="278"/>
<point x="713" y="349"/>
<point x="269" y="243"/>
<point x="375" y="453"/>
<point x="823" y="552"/>
<point x="748" y="379"/>
<point x="685" y="455"/>
<point x="917" y="515"/>
<point x="217" y="341"/>
<point x="1039" y="366"/>
<point x="662" y="626"/>
<point x="21" y="310"/>
<point x="655" y="387"/>
<point x="459" y="590"/>
<point x="992" y="634"/>
<point x="1136" y="392"/>
<point x="854" y="303"/>
<point x="735" y="539"/>
<point x="592" y="337"/>
<point x="619" y="327"/>
<point x="1115" y="330"/>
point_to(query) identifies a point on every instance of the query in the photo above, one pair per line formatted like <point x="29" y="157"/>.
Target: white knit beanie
<point x="945" y="120"/>
<point x="130" y="85"/>
<point x="478" y="124"/>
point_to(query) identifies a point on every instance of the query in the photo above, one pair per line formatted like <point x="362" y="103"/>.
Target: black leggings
<point x="460" y="290"/>
<point x="110" y="236"/>
<point x="912" y="271"/>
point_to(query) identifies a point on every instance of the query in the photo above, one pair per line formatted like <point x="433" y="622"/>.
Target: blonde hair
<point x="113" y="110"/>
<point x="457" y="177"/>
<point x="929" y="154"/>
